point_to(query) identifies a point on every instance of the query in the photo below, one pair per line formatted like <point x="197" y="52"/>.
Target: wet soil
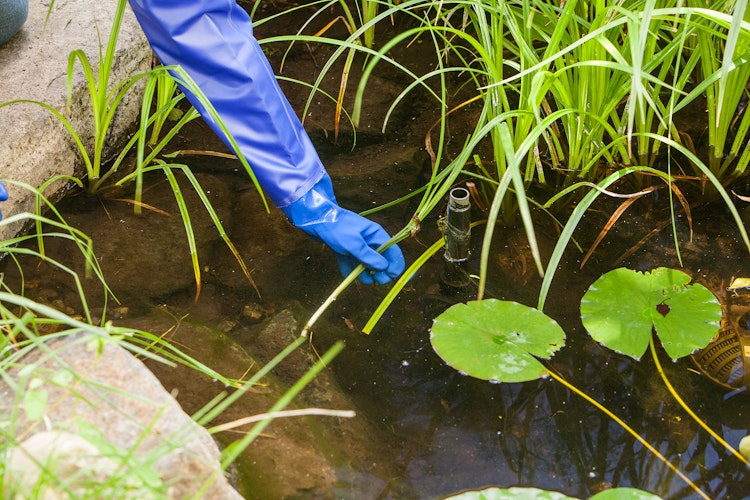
<point x="422" y="430"/>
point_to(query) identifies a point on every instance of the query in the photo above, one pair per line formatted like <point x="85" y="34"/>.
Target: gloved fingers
<point x="366" y="277"/>
<point x="364" y="251"/>
<point x="381" y="268"/>
<point x="396" y="262"/>
<point x="354" y="239"/>
<point x="347" y="265"/>
<point x="392" y="257"/>
<point x="3" y="196"/>
<point x="381" y="278"/>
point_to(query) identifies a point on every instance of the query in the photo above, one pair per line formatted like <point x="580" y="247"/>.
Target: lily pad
<point x="624" y="494"/>
<point x="537" y="494"/>
<point x="510" y="494"/>
<point x="496" y="340"/>
<point x="623" y="307"/>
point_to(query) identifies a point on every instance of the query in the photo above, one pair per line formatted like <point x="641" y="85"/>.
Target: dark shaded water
<point x="422" y="431"/>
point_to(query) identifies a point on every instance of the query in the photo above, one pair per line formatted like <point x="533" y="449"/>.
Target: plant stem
<point x="348" y="281"/>
<point x="629" y="429"/>
<point x="283" y="414"/>
<point x="690" y="412"/>
<point x="330" y="300"/>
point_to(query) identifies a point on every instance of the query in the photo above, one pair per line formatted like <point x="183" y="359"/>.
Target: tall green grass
<point x="579" y="98"/>
<point x="161" y="119"/>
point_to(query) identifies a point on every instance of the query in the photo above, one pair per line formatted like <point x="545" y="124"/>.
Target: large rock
<point x="35" y="146"/>
<point x="303" y="457"/>
<point x="99" y="398"/>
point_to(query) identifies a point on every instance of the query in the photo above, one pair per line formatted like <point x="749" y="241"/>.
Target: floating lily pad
<point x="510" y="494"/>
<point x="496" y="340"/>
<point x="624" y="494"/>
<point x="537" y="494"/>
<point x="623" y="307"/>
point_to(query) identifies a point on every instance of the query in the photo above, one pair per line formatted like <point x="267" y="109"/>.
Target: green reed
<point x="575" y="96"/>
<point x="161" y="119"/>
<point x="723" y="45"/>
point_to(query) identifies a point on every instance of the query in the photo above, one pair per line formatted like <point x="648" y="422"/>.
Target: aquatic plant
<point x="104" y="103"/>
<point x="452" y="330"/>
<point x="579" y="98"/>
<point x="503" y="341"/>
<point x="623" y="309"/>
<point x="723" y="47"/>
<point x="52" y="225"/>
<point x="159" y="107"/>
<point x="473" y="341"/>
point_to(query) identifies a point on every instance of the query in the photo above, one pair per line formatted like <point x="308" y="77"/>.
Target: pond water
<point x="422" y="430"/>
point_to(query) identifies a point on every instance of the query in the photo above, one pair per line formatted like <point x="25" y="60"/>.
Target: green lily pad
<point x="496" y="340"/>
<point x="537" y="494"/>
<point x="623" y="307"/>
<point x="624" y="494"/>
<point x="510" y="494"/>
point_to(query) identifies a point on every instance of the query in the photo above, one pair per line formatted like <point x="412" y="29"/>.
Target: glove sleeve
<point x="212" y="40"/>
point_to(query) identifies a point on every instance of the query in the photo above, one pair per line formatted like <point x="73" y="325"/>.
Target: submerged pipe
<point x="454" y="278"/>
<point x="458" y="226"/>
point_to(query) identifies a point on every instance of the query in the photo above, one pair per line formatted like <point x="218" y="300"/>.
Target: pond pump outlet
<point x="458" y="226"/>
<point x="457" y="235"/>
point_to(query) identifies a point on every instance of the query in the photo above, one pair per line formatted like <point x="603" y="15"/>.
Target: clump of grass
<point x="160" y="121"/>
<point x="579" y="98"/>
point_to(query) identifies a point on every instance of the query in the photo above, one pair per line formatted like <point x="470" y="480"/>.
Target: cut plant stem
<point x="690" y="412"/>
<point x="629" y="429"/>
<point x="348" y="281"/>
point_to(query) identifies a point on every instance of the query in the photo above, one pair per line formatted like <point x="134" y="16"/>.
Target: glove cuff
<point x="315" y="206"/>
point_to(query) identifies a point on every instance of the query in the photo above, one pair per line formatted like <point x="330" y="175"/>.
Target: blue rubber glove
<point x="352" y="237"/>
<point x="3" y="196"/>
<point x="212" y="40"/>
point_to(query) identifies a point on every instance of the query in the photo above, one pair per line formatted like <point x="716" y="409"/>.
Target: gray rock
<point x="117" y="407"/>
<point x="70" y="456"/>
<point x="35" y="146"/>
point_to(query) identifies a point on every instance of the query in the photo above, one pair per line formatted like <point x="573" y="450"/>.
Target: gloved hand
<point x="352" y="237"/>
<point x="3" y="196"/>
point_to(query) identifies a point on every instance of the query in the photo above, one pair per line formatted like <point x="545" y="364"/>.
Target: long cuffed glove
<point x="353" y="238"/>
<point x="212" y="40"/>
<point x="3" y="196"/>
